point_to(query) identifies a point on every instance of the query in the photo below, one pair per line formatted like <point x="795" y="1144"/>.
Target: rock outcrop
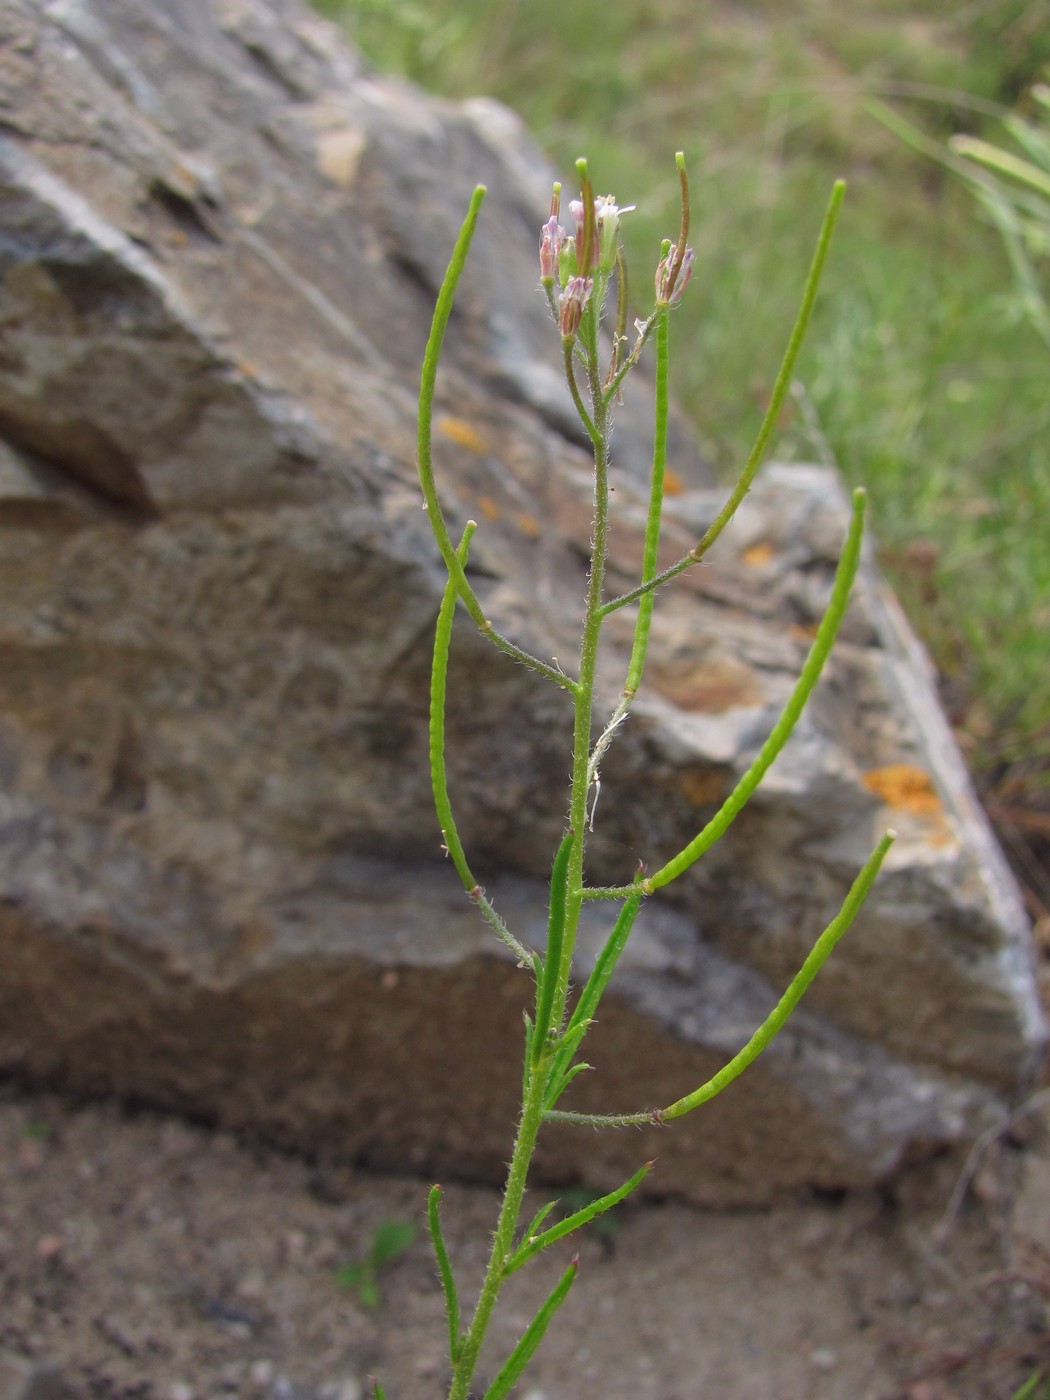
<point x="221" y="888"/>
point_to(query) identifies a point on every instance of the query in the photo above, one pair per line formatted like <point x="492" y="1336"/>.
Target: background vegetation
<point x="921" y="378"/>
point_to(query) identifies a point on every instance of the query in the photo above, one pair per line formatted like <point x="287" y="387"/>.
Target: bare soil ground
<point x="145" y="1257"/>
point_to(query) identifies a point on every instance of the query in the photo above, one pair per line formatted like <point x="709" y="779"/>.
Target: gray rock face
<point x="221" y="888"/>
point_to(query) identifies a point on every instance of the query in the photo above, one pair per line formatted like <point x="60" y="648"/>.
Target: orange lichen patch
<point x="709" y="684"/>
<point x="673" y="483"/>
<point x="527" y="524"/>
<point x="702" y="786"/>
<point x="757" y="554"/>
<point x="488" y="508"/>
<point x="459" y="431"/>
<point x="904" y="787"/>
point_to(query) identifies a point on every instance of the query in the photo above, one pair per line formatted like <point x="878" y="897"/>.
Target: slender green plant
<point x="585" y="283"/>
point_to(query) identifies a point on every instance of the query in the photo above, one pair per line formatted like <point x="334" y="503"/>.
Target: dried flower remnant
<point x="552" y="236"/>
<point x="672" y="276"/>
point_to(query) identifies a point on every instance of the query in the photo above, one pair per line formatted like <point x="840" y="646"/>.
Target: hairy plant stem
<point x="583" y="701"/>
<point x="537" y="1081"/>
<point x="503" y="1239"/>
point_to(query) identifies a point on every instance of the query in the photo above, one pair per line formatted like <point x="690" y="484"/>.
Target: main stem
<point x="503" y="1240"/>
<point x="532" y="1106"/>
<point x="584" y="699"/>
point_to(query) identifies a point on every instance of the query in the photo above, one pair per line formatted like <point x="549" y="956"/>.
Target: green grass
<point x="916" y="379"/>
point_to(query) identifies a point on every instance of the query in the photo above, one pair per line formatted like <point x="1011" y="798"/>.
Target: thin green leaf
<point x="605" y="963"/>
<point x="537" y="1220"/>
<point x="643" y="622"/>
<point x="532" y="1336"/>
<point x="438" y="692"/>
<point x="428" y="381"/>
<point x="424" y="449"/>
<point x="444" y="1263"/>
<point x="782" y="730"/>
<point x="555" y="938"/>
<point x="532" y="1244"/>
<point x="557" y="1087"/>
<point x="590" y="997"/>
<point x="526" y="1069"/>
<point x="775" y="1021"/>
<point x="781" y="385"/>
<point x="819" y="954"/>
<point x="438" y="770"/>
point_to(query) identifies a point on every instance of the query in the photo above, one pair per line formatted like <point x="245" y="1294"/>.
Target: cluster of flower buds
<point x="570" y="266"/>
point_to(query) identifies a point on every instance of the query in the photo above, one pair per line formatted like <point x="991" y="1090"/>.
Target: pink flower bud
<point x="666" y="293"/>
<point x="571" y="303"/>
<point x="552" y="235"/>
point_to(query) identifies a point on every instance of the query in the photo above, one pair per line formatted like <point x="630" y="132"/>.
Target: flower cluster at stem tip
<point x="570" y="266"/>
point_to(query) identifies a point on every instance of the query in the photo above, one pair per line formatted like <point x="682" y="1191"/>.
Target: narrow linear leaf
<point x="557" y="1087"/>
<point x="555" y="938"/>
<point x="438" y="768"/>
<point x="537" y="1220"/>
<point x="781" y="386"/>
<point x="532" y="1244"/>
<point x="606" y="962"/>
<point x="590" y="997"/>
<point x="444" y="1263"/>
<point x="424" y="450"/>
<point x="775" y="1021"/>
<point x="559" y="1073"/>
<point x="526" y="1068"/>
<point x="378" y="1393"/>
<point x="643" y="622"/>
<point x="438" y="692"/>
<point x="532" y="1336"/>
<point x="782" y="730"/>
<point x="427" y="383"/>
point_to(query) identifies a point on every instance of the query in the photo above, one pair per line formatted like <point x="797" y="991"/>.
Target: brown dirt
<point x="149" y="1258"/>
